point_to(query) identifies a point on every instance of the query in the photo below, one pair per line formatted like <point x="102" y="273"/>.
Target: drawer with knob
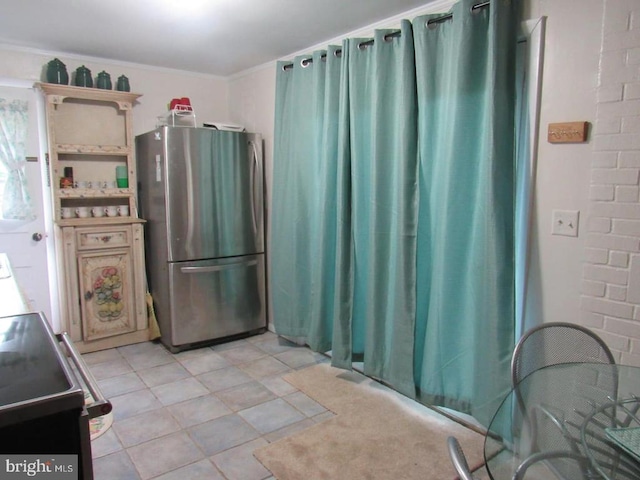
<point x="94" y="238"/>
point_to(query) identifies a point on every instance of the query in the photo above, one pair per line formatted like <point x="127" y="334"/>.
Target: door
<point x="29" y="244"/>
<point x="213" y="205"/>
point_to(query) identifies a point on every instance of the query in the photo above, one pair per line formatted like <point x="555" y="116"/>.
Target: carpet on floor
<point x="375" y="434"/>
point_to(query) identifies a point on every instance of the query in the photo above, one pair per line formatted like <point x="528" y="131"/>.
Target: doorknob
<point x="36" y="237"/>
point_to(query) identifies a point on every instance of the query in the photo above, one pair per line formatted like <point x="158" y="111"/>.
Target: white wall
<point x="208" y="94"/>
<point x="569" y="81"/>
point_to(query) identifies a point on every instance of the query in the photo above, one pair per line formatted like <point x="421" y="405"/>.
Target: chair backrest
<point x="556" y="430"/>
<point x="556" y="343"/>
<point x="458" y="459"/>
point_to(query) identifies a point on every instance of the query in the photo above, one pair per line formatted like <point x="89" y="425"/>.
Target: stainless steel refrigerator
<point x="201" y="194"/>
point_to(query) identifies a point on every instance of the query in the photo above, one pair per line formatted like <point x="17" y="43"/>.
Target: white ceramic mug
<point x="111" y="211"/>
<point x="97" y="184"/>
<point x="111" y="184"/>
<point x="83" y="212"/>
<point x="97" y="212"/>
<point x="82" y="184"/>
<point x="67" y="212"/>
<point x="123" y="210"/>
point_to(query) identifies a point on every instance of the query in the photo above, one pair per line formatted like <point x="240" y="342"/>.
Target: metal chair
<point x="458" y="459"/>
<point x="556" y="343"/>
<point x="557" y="432"/>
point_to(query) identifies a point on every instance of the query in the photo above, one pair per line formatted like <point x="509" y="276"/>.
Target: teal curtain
<point x="379" y="93"/>
<point x="15" y="200"/>
<point x="303" y="230"/>
<point x="393" y="206"/>
<point x="465" y="313"/>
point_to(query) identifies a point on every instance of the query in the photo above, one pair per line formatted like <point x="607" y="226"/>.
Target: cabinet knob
<point x="36" y="237"/>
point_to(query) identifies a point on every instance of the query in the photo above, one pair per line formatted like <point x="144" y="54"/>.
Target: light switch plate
<point x="565" y="222"/>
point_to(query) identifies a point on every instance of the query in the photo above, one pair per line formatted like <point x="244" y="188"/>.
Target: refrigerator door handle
<point x="190" y="200"/>
<point x="254" y="170"/>
<point x="218" y="268"/>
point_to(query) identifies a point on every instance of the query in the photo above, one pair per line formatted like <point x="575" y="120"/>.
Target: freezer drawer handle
<point x="218" y="268"/>
<point x="100" y="406"/>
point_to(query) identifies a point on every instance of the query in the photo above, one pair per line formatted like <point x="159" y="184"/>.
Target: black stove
<point x="42" y="402"/>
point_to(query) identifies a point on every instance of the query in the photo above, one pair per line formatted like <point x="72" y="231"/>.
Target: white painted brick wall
<point x="627" y="193"/>
<point x="607" y="159"/>
<point x="602" y="192"/>
<point x="629" y="159"/>
<point x="619" y="259"/>
<point x="611" y="275"/>
<point x="594" y="289"/>
<point x="599" y="224"/>
<point x="596" y="255"/>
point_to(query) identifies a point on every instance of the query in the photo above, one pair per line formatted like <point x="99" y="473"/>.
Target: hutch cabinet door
<point x="107" y="296"/>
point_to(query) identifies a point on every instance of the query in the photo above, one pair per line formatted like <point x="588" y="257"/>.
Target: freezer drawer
<point x="212" y="299"/>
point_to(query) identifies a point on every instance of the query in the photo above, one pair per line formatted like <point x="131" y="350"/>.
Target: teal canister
<point x="83" y="77"/>
<point x="57" y="72"/>
<point x="104" y="81"/>
<point x="122" y="85"/>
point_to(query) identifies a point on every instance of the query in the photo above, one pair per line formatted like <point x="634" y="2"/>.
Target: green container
<point x="122" y="178"/>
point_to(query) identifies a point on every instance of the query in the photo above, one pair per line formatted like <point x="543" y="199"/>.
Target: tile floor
<point x="199" y="414"/>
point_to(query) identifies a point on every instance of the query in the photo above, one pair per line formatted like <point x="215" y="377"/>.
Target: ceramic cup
<point x="97" y="184"/>
<point x="97" y="212"/>
<point x="111" y="184"/>
<point x="67" y="212"/>
<point x="123" y="210"/>
<point x="111" y="211"/>
<point x="81" y="184"/>
<point x="83" y="212"/>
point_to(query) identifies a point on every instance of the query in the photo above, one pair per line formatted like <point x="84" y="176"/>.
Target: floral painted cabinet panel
<point x="105" y="285"/>
<point x="106" y="294"/>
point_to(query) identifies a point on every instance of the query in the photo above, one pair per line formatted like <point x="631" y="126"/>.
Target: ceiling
<point x="219" y="37"/>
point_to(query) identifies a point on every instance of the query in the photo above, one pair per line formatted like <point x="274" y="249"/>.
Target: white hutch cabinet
<point x="100" y="237"/>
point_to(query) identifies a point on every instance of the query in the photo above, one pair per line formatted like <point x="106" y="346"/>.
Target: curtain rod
<point x="338" y="52"/>
<point x="449" y="16"/>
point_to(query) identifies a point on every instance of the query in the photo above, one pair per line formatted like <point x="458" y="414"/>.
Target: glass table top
<point x="554" y="424"/>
